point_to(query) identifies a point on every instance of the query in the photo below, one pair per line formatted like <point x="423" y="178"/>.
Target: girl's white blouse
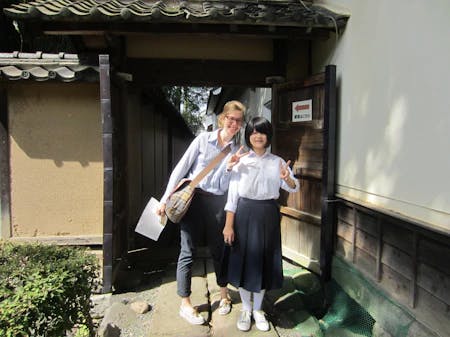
<point x="258" y="178"/>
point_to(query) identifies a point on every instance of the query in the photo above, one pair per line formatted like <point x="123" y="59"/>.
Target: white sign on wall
<point x="302" y="111"/>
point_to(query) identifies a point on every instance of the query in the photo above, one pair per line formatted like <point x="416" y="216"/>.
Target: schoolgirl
<point x="253" y="222"/>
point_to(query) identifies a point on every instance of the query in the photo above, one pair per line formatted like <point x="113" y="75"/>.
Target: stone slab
<point x="225" y="326"/>
<point x="166" y="320"/>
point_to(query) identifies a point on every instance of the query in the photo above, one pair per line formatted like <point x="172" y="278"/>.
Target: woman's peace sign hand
<point x="234" y="159"/>
<point x="284" y="170"/>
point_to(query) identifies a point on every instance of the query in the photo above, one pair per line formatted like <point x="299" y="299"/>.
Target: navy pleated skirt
<point x="255" y="261"/>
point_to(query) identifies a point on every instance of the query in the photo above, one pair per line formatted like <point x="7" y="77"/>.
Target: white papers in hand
<point x="150" y="224"/>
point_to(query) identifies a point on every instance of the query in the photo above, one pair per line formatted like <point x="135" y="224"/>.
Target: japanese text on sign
<point x="302" y="111"/>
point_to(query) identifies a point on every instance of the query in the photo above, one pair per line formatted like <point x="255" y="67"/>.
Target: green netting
<point x="348" y="306"/>
<point x="344" y="317"/>
<point x="313" y="309"/>
<point x="392" y="320"/>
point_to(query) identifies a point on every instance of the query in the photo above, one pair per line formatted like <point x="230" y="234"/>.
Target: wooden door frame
<point x="328" y="188"/>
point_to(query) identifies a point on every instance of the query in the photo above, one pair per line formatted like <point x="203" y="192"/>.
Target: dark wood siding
<point x="155" y="138"/>
<point x="410" y="264"/>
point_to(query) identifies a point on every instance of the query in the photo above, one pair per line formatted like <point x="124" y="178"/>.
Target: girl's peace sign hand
<point x="234" y="159"/>
<point x="284" y="169"/>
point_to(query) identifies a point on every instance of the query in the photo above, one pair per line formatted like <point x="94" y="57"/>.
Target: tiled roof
<point x="42" y="67"/>
<point x="274" y="13"/>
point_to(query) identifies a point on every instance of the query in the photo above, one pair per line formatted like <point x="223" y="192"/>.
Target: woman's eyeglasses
<point x="235" y="120"/>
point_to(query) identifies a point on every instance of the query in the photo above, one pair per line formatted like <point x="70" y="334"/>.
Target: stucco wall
<point x="56" y="159"/>
<point x="394" y="121"/>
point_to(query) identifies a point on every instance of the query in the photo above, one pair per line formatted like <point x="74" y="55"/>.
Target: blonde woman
<point x="205" y="217"/>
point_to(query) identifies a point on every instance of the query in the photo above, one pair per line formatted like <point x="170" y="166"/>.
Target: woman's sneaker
<point x="245" y="320"/>
<point x="224" y="306"/>
<point x="191" y="315"/>
<point x="260" y="320"/>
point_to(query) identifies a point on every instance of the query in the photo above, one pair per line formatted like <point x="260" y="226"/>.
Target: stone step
<point x="206" y="297"/>
<point x="166" y="320"/>
<point x="225" y="326"/>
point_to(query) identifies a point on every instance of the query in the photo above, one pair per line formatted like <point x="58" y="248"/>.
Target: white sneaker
<point x="191" y="315"/>
<point x="224" y="306"/>
<point x="245" y="320"/>
<point x="260" y="320"/>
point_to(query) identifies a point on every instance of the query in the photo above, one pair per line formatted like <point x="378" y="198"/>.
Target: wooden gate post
<point x="107" y="135"/>
<point x="328" y="173"/>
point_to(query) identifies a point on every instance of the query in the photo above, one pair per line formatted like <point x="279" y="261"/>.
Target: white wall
<point x="394" y="105"/>
<point x="256" y="98"/>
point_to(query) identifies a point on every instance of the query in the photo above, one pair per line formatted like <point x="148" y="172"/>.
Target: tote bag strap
<point x="213" y="163"/>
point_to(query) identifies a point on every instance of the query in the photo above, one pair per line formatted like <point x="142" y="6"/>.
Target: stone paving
<point x="285" y="308"/>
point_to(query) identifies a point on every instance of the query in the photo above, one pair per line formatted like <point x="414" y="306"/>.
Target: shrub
<point x="44" y="289"/>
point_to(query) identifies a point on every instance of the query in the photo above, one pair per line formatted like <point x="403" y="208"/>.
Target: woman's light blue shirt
<point x="199" y="154"/>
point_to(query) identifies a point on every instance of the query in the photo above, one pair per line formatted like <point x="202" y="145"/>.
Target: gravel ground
<point x="114" y="307"/>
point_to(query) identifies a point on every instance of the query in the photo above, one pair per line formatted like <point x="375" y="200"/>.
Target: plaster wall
<point x="190" y="46"/>
<point x="393" y="98"/>
<point x="56" y="159"/>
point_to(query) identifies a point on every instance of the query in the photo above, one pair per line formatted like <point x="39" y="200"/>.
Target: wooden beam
<point x="424" y="228"/>
<point x="413" y="286"/>
<point x="72" y="240"/>
<point x="300" y="215"/>
<point x="127" y="28"/>
<point x="317" y="79"/>
<point x="355" y="217"/>
<point x="108" y="184"/>
<point x="379" y="249"/>
<point x="200" y="72"/>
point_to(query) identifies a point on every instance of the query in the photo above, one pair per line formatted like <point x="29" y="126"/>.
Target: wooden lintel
<point x="200" y="72"/>
<point x="126" y="28"/>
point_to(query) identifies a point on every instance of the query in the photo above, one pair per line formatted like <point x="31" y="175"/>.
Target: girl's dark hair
<point x="261" y="125"/>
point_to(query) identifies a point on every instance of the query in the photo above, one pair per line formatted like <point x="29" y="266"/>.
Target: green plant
<point x="190" y="101"/>
<point x="82" y="331"/>
<point x="44" y="289"/>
